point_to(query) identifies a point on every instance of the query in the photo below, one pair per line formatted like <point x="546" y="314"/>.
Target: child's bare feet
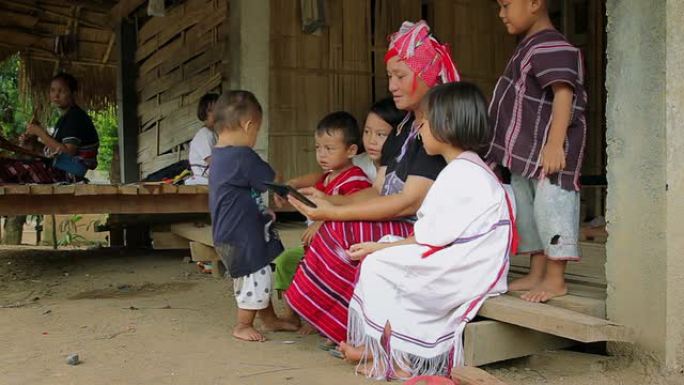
<point x="527" y="282"/>
<point x="279" y="325"/>
<point x="553" y="284"/>
<point x="545" y="291"/>
<point x="534" y="277"/>
<point x="306" y="329"/>
<point x="353" y="353"/>
<point x="247" y="333"/>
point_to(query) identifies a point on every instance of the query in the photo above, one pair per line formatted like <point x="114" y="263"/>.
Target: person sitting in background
<point x="69" y="152"/>
<point x="203" y="141"/>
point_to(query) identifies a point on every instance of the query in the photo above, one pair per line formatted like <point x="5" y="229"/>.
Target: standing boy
<point x="538" y="113"/>
<point x="241" y="229"/>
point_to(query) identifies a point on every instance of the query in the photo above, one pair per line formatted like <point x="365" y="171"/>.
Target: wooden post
<point x="14" y="226"/>
<point x="126" y="101"/>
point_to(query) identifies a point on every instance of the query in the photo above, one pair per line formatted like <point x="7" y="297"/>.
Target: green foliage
<point x="106" y="124"/>
<point x="13" y="113"/>
<point x="69" y="228"/>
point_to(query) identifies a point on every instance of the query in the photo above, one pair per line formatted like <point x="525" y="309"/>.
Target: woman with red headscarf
<point x="324" y="283"/>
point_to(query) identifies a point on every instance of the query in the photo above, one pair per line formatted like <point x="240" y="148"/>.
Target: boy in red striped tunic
<point x="337" y="143"/>
<point x="538" y="115"/>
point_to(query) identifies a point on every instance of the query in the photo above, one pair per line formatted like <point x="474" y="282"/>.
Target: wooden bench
<point x="107" y="199"/>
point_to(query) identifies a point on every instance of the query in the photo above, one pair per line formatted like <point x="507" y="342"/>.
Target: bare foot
<point x="353" y="353"/>
<point x="527" y="282"/>
<point x="247" y="333"/>
<point x="306" y="329"/>
<point x="545" y="291"/>
<point x="279" y="325"/>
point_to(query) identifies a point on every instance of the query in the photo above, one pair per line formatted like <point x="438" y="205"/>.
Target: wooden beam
<point x="22" y="204"/>
<point x="589" y="306"/>
<point x="122" y="9"/>
<point x="127" y="101"/>
<point x="197" y="232"/>
<point x="50" y="11"/>
<point x="486" y="342"/>
<point x="165" y="240"/>
<point x="201" y="252"/>
<point x="553" y="320"/>
<point x="468" y="375"/>
<point x="110" y="45"/>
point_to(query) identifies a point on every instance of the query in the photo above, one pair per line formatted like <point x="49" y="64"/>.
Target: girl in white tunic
<point x="414" y="297"/>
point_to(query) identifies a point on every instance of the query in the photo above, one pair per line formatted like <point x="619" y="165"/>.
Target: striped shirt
<point x="521" y="108"/>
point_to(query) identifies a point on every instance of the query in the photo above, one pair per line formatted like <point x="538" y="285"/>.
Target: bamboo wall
<point x="180" y="57"/>
<point x="479" y="42"/>
<point x="314" y="74"/>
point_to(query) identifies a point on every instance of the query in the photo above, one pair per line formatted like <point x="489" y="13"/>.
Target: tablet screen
<point x="285" y="190"/>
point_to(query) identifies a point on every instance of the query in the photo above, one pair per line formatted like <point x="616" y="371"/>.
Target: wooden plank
<point x="164" y="240"/>
<point x="95" y="189"/>
<point x="589" y="306"/>
<point x="41" y="189"/>
<point x="68" y="189"/>
<point x="553" y="320"/>
<point x="486" y="342"/>
<point x="201" y="252"/>
<point x="107" y="204"/>
<point x="122" y="9"/>
<point x="197" y="232"/>
<point x="128" y="189"/>
<point x="126" y="102"/>
<point x="17" y="189"/>
<point x="468" y="375"/>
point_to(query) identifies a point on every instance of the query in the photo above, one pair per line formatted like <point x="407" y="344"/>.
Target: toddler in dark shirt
<point x="238" y="222"/>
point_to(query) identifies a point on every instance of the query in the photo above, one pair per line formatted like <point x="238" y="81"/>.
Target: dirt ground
<point x="142" y="317"/>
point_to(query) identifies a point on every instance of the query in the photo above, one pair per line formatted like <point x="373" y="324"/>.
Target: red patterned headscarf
<point x="428" y="58"/>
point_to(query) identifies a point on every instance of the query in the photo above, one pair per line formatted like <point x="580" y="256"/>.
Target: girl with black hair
<point x="414" y="297"/>
<point x="70" y="151"/>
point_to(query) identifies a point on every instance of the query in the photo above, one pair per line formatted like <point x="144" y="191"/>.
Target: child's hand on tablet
<point x="321" y="212"/>
<point x="312" y="192"/>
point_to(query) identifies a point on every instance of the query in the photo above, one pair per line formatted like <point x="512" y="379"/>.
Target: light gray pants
<point x="547" y="218"/>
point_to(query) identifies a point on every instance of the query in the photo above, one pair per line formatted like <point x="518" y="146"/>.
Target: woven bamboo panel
<point x="315" y="74"/>
<point x="389" y="14"/>
<point x="180" y="58"/>
<point x="479" y="42"/>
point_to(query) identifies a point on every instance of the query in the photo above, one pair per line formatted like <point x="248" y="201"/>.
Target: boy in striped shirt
<point x="538" y="115"/>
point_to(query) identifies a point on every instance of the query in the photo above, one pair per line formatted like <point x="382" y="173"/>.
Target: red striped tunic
<point x="324" y="282"/>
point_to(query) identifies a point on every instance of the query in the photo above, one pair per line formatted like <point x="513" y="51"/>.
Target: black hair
<point x="458" y="115"/>
<point x="204" y="103"/>
<point x="68" y="79"/>
<point x="233" y="106"/>
<point x="341" y="121"/>
<point x="388" y="111"/>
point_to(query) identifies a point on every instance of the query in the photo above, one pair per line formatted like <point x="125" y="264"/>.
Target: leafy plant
<point x="106" y="123"/>
<point x="13" y="112"/>
<point x="69" y="228"/>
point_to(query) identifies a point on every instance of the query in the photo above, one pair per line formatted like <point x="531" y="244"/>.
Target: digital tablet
<point x="284" y="190"/>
